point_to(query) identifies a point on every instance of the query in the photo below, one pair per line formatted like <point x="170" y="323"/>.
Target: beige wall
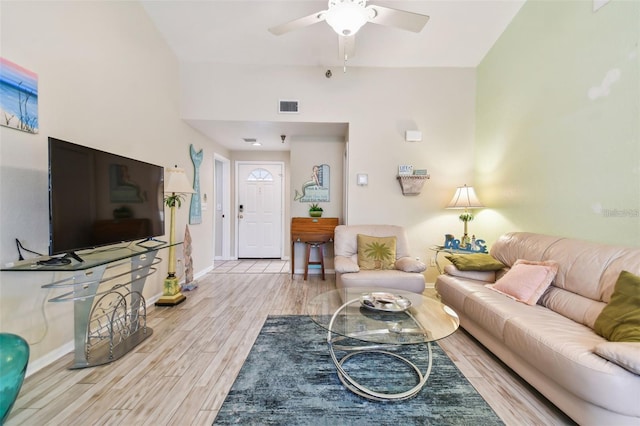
<point x="106" y="80"/>
<point x="304" y="155"/>
<point x="379" y="105"/>
<point x="558" y="123"/>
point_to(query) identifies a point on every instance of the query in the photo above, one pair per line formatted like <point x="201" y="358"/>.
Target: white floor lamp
<point x="177" y="185"/>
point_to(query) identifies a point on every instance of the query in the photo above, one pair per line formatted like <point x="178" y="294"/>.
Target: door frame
<point x="225" y="197"/>
<point x="282" y="201"/>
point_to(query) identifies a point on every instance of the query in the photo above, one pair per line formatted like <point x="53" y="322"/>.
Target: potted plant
<point x="315" y="210"/>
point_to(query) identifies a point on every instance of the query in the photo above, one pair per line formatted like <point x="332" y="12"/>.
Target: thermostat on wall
<point x="413" y="136"/>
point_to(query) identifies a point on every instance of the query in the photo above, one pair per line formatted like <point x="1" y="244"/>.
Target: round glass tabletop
<point x="384" y="316"/>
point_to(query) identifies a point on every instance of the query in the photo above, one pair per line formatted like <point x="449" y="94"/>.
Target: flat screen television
<point x="97" y="198"/>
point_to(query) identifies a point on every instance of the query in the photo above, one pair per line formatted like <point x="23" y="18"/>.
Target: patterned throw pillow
<point x="376" y="252"/>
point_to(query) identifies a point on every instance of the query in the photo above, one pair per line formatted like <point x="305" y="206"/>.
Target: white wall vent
<point x="288" y="107"/>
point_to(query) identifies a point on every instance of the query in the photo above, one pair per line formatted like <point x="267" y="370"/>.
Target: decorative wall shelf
<point x="412" y="184"/>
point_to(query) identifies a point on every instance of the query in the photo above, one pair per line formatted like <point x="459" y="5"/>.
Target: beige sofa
<point x="407" y="274"/>
<point x="552" y="344"/>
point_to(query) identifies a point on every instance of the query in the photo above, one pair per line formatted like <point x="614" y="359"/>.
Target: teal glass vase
<point x="14" y="357"/>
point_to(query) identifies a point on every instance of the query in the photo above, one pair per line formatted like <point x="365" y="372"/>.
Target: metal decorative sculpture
<point x="195" y="211"/>
<point x="189" y="283"/>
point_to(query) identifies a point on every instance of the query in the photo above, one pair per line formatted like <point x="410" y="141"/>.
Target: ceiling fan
<point x="346" y="17"/>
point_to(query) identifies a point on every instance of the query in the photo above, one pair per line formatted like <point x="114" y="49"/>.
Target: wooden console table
<point x="310" y="229"/>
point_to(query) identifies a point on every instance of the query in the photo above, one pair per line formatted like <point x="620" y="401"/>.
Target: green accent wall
<point x="558" y="123"/>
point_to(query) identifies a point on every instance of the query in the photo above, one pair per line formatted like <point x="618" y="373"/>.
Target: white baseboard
<point x="38" y="364"/>
<point x="314" y="271"/>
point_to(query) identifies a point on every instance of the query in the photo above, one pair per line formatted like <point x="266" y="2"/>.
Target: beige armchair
<point x="405" y="275"/>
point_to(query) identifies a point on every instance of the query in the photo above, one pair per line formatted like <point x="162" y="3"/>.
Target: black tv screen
<point x="97" y="198"/>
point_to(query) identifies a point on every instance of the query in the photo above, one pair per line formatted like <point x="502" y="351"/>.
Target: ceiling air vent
<point x="288" y="107"/>
<point x="250" y="140"/>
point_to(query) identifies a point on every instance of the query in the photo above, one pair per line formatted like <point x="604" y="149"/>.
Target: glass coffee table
<point x="361" y="322"/>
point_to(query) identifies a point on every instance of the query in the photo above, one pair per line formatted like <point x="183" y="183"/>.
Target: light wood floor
<point x="181" y="375"/>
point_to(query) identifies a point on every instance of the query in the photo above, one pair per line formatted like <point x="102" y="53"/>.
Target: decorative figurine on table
<point x="474" y="246"/>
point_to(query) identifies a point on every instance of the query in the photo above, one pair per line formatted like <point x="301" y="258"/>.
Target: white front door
<point x="259" y="210"/>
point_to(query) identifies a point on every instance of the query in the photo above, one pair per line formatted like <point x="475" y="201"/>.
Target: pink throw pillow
<point x="526" y="280"/>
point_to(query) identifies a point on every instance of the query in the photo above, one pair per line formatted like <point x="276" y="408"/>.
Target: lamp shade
<point x="346" y="17"/>
<point x="465" y="198"/>
<point x="176" y="182"/>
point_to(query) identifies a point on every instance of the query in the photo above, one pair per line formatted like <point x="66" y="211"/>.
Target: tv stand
<point x="110" y="312"/>
<point x="73" y="255"/>
<point x="154" y="243"/>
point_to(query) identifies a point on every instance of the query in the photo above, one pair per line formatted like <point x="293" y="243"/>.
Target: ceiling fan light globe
<point x="346" y="18"/>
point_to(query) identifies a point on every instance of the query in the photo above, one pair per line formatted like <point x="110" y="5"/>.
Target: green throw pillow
<point x="376" y="252"/>
<point x="475" y="262"/>
<point x="619" y="321"/>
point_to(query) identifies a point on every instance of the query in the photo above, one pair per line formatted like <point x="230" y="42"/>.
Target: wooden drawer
<point x="313" y="228"/>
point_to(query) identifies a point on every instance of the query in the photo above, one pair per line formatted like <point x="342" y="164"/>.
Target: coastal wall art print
<point x="18" y="97"/>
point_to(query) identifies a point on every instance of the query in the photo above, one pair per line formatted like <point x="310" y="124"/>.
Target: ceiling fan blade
<point x="298" y="23"/>
<point x="402" y="19"/>
<point x="347" y="47"/>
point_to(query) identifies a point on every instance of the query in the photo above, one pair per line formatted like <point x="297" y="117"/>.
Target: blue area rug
<point x="289" y="379"/>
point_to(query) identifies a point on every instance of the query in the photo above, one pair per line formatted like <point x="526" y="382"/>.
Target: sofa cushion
<point x="493" y="311"/>
<point x="409" y="264"/>
<point x="486" y="276"/>
<point x="345" y="241"/>
<point x="574" y="306"/>
<point x="625" y="354"/>
<point x="526" y="280"/>
<point x="619" y="321"/>
<point x="343" y="264"/>
<point x="475" y="262"/>
<point x="586" y="268"/>
<point x="376" y="252"/>
<point x="390" y="279"/>
<point x="564" y="351"/>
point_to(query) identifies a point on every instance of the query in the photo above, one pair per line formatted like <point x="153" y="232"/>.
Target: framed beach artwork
<point x="18" y="97"/>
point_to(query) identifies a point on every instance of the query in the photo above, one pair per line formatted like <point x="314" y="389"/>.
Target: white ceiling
<point x="458" y="34"/>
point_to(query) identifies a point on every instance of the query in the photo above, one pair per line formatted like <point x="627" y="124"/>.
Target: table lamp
<point x="176" y="186"/>
<point x="465" y="198"/>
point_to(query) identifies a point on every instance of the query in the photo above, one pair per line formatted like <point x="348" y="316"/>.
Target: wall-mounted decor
<point x="412" y="185"/>
<point x="405" y="170"/>
<point x="18" y="97"/>
<point x="195" y="211"/>
<point x="317" y="188"/>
